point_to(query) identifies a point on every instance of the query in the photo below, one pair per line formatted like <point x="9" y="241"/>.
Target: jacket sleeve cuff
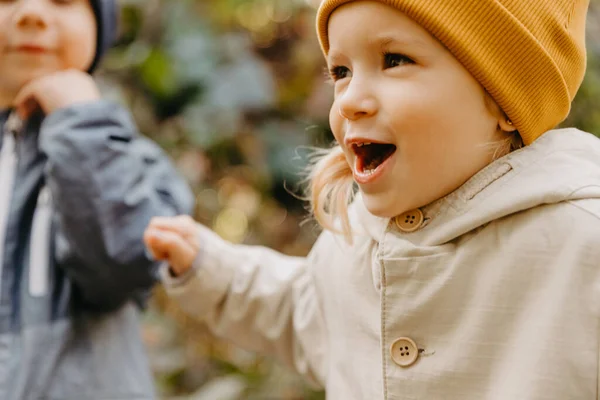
<point x="88" y="113"/>
<point x="170" y="280"/>
<point x="205" y="284"/>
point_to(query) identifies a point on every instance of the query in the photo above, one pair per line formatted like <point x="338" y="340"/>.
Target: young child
<point x="471" y="263"/>
<point x="78" y="187"/>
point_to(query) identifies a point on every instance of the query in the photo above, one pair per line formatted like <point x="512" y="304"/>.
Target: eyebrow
<point x="334" y="57"/>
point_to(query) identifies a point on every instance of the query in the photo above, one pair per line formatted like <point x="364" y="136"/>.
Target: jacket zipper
<point x="39" y="247"/>
<point x="8" y="169"/>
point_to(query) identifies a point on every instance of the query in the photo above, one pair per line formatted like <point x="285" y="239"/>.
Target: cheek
<point x="5" y="23"/>
<point x="439" y="111"/>
<point x="336" y="123"/>
<point x="79" y="53"/>
<point x="79" y="42"/>
<point x="422" y="118"/>
<point x="464" y="98"/>
<point x="440" y="126"/>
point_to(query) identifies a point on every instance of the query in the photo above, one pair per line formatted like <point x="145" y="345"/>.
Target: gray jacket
<point x="77" y="190"/>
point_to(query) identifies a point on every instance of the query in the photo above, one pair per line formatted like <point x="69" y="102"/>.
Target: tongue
<point x="373" y="155"/>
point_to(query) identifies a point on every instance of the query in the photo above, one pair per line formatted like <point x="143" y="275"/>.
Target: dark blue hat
<point x="106" y="20"/>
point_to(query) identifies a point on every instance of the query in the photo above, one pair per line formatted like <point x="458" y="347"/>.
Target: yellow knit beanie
<point x="528" y="54"/>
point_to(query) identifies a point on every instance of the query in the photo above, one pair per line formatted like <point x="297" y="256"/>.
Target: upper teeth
<point x="363" y="144"/>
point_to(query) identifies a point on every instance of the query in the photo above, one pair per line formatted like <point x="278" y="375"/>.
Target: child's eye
<point x="339" y="72"/>
<point x="63" y="2"/>
<point x="391" y="60"/>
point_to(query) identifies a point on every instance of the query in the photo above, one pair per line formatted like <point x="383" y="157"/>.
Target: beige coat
<point x="497" y="289"/>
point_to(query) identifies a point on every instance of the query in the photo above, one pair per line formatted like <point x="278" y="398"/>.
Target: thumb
<point x="26" y="103"/>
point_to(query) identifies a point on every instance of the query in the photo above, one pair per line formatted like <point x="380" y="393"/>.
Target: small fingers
<point x="171" y="247"/>
<point x="184" y="225"/>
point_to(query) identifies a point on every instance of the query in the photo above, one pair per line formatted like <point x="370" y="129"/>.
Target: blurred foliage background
<point x="234" y="90"/>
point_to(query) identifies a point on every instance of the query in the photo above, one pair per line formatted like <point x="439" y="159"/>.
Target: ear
<point x="506" y="125"/>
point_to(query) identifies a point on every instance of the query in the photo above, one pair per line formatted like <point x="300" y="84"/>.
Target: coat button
<point x="410" y="221"/>
<point x="404" y="352"/>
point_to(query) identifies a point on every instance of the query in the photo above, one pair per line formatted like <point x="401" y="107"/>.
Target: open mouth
<point x="369" y="156"/>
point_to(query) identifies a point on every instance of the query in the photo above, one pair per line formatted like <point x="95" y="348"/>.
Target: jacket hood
<point x="562" y="165"/>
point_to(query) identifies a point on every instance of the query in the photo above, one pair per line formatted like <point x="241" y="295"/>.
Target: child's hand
<point x="54" y="91"/>
<point x="173" y="239"/>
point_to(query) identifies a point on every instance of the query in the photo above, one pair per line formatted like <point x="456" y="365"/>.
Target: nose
<point x="30" y="14"/>
<point x="357" y="101"/>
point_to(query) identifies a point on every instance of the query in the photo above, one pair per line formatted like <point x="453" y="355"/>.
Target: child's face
<point x="397" y="85"/>
<point x="39" y="37"/>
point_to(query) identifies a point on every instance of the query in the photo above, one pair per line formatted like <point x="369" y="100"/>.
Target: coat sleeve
<point x="107" y="182"/>
<point x="259" y="299"/>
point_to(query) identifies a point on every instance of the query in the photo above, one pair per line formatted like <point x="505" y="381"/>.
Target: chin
<point x="380" y="207"/>
<point x="26" y="75"/>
